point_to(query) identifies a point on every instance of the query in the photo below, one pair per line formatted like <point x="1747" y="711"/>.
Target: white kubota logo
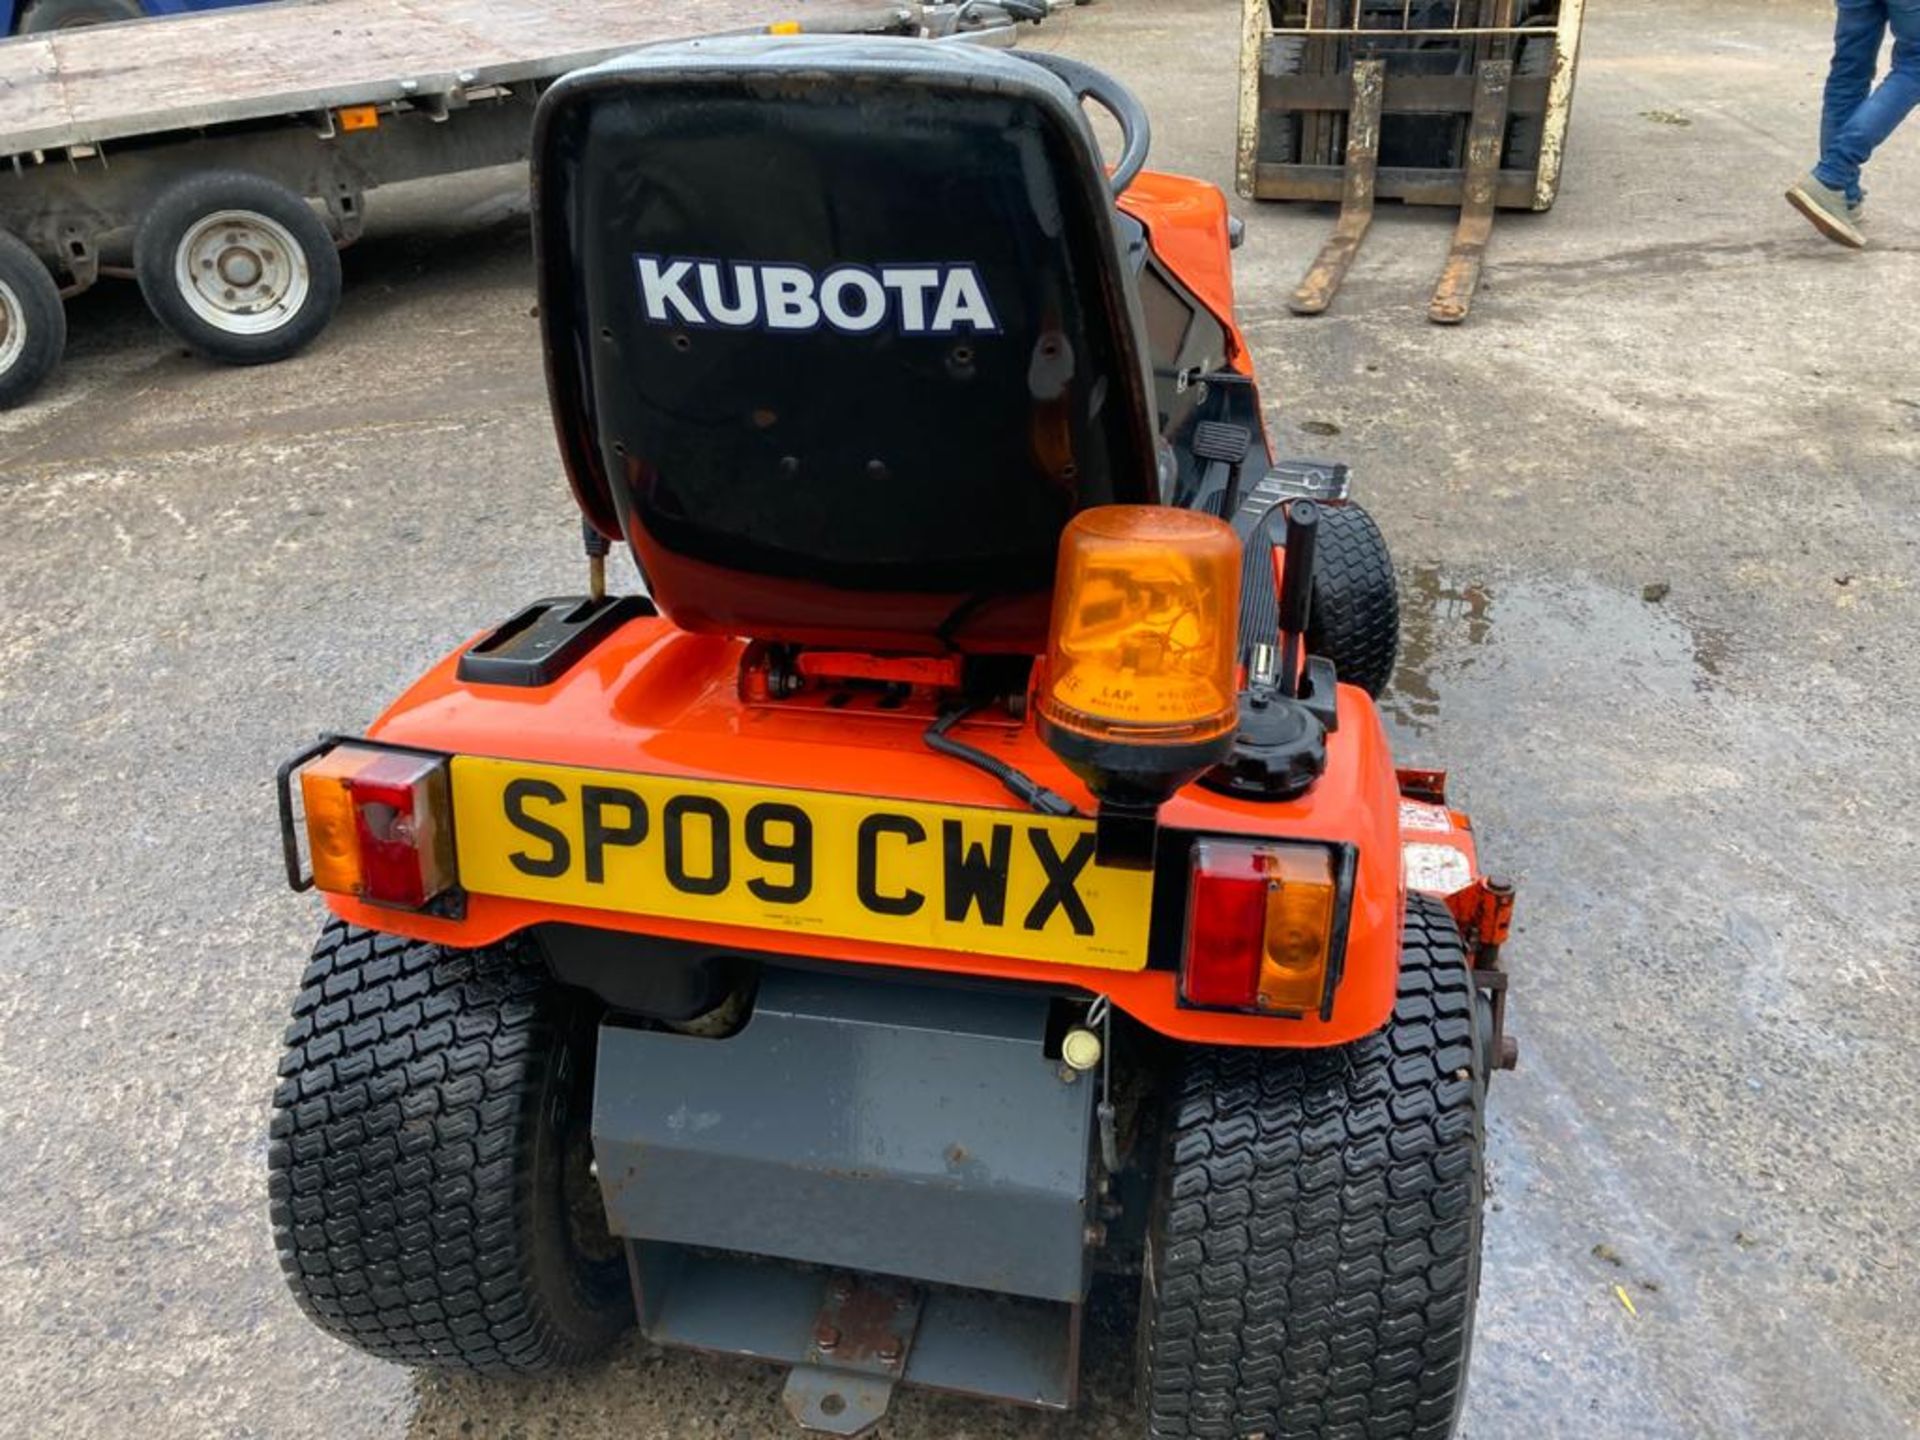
<point x="853" y="299"/>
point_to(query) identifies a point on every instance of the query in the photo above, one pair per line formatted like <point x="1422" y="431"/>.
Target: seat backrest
<point x="838" y="333"/>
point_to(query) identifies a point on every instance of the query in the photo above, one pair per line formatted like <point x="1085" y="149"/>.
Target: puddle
<point x="1464" y="638"/>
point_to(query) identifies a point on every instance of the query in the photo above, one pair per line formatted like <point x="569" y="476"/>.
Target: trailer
<point x="222" y="159"/>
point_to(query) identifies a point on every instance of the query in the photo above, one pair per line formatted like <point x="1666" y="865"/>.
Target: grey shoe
<point x="1829" y="212"/>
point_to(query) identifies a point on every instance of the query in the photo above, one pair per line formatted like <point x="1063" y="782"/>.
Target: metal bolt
<point x="889" y="1351"/>
<point x="842" y="1289"/>
<point x="227" y="293"/>
<point x="825" y="1337"/>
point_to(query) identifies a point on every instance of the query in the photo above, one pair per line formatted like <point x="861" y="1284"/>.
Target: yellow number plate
<point x="948" y="877"/>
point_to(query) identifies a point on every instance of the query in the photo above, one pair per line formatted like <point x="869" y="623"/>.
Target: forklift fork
<point x="1453" y="296"/>
<point x="1323" y="281"/>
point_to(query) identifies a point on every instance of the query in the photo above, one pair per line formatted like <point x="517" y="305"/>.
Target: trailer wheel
<point x="1314" y="1251"/>
<point x="44" y="15"/>
<point x="1355" y="617"/>
<point x="428" y="1165"/>
<point x="33" y="322"/>
<point x="237" y="266"/>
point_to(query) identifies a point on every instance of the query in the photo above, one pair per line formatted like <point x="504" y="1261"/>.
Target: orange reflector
<point x="324" y="788"/>
<point x="1300" y="911"/>
<point x="1260" y="924"/>
<point x="1146" y="611"/>
<point x="379" y="825"/>
<point x="784" y="27"/>
<point x="359" y="117"/>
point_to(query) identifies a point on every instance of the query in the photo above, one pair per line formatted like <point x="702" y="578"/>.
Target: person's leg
<point x="1880" y="114"/>
<point x="1857" y="33"/>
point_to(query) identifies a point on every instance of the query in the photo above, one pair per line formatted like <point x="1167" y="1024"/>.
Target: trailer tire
<point x="1354" y="620"/>
<point x="428" y="1159"/>
<point x="1314" y="1251"/>
<point x="45" y="15"/>
<point x="33" y="322"/>
<point x="238" y="266"/>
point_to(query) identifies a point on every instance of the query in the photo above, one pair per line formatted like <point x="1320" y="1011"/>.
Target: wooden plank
<point x="150" y="76"/>
<point x="1513" y="189"/>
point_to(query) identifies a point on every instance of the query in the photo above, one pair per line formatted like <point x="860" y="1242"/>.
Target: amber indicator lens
<point x="379" y="825"/>
<point x="1260" y="923"/>
<point x="1145" y="617"/>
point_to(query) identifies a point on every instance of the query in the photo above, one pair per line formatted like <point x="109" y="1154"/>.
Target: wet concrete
<point x="1705" y="1210"/>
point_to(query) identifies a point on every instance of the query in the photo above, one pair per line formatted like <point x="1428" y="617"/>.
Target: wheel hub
<point x="242" y="272"/>
<point x="13" y="328"/>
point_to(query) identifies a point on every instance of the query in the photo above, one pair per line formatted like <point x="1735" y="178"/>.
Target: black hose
<point x="1023" y="787"/>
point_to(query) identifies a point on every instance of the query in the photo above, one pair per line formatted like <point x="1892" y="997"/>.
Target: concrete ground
<point x="1654" y="508"/>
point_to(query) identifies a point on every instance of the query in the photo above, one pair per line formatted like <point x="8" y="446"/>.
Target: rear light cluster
<point x="1261" y="923"/>
<point x="380" y="825"/>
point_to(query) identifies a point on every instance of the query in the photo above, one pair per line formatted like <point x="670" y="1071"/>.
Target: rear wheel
<point x="238" y="267"/>
<point x="1314" y="1251"/>
<point x="33" y="323"/>
<point x="428" y="1168"/>
<point x="1355" y="617"/>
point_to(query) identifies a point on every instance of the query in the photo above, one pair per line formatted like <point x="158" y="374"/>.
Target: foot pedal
<point x="1223" y="446"/>
<point x="1221" y="441"/>
<point x="861" y="1340"/>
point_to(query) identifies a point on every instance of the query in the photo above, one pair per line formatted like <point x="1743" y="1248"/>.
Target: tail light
<point x="1262" y="921"/>
<point x="379" y="825"/>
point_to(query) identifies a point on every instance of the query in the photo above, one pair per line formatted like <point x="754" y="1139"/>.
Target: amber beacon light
<point x="1140" y="691"/>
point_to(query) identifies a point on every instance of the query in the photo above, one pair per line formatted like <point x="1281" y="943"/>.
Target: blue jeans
<point x="1855" y="122"/>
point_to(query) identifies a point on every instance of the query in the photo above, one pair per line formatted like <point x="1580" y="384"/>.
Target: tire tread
<point x="1318" y="1234"/>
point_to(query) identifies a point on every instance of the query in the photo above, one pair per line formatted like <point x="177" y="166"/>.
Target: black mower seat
<point x="839" y="335"/>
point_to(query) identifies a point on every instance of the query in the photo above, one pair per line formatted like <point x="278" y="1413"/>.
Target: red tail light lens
<point x="379" y="825"/>
<point x="1260" y="926"/>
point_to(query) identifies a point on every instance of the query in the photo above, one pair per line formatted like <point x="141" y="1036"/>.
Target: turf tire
<point x="182" y="207"/>
<point x="1314" y="1250"/>
<point x="1355" y="618"/>
<point x="427" y="1162"/>
<point x="32" y="301"/>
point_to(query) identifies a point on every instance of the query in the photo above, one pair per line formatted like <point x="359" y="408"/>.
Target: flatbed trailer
<point x="189" y="154"/>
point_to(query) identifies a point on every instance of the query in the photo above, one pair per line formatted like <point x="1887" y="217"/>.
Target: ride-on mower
<point x="967" y="869"/>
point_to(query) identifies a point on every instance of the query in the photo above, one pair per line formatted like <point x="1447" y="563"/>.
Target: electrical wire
<point x="1023" y="787"/>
